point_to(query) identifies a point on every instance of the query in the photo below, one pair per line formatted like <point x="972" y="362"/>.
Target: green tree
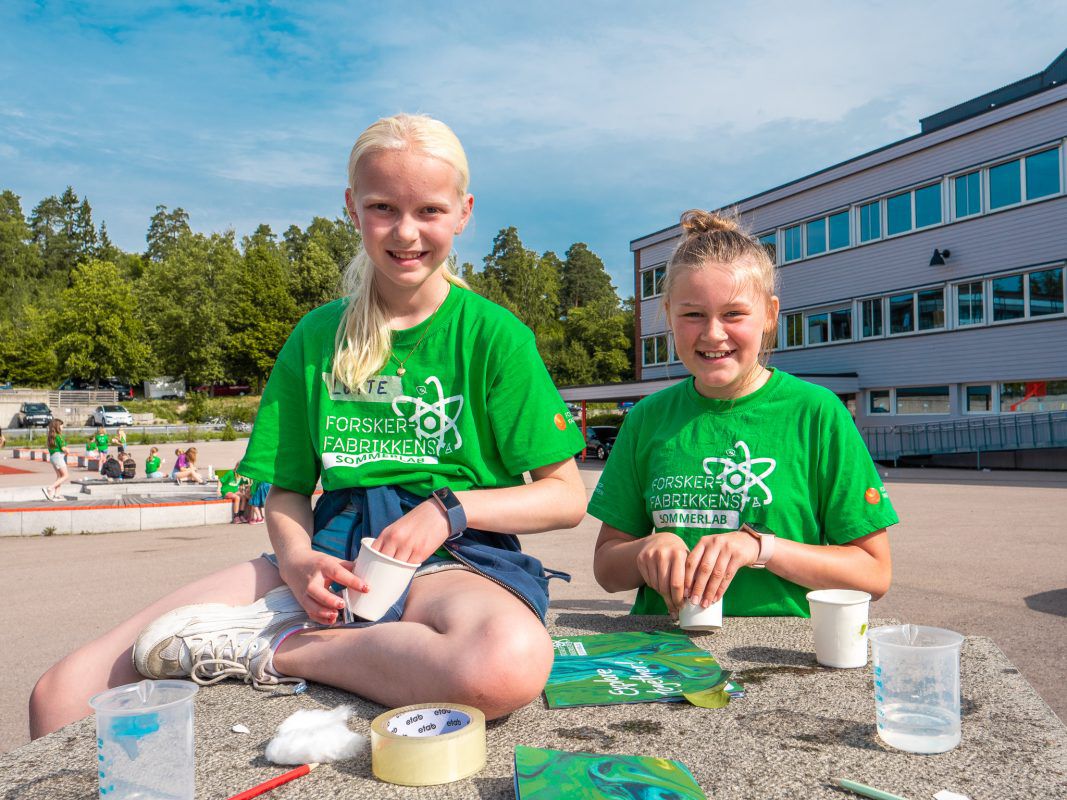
<point x="96" y="336"/>
<point x="20" y="261"/>
<point x="584" y="281"/>
<point x="27" y="355"/>
<point x="600" y="330"/>
<point x="165" y="230"/>
<point x="53" y="241"/>
<point x="314" y="278"/>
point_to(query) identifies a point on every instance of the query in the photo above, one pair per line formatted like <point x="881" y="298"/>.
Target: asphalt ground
<point x="981" y="553"/>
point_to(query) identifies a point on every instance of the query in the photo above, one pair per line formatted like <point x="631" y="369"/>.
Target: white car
<point x="112" y="415"/>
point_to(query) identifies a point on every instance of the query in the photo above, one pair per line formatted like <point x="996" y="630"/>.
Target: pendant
<point x="400" y="371"/>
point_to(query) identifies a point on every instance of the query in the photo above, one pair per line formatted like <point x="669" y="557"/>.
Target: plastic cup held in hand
<point x="694" y="617"/>
<point x="839" y="622"/>
<point x="144" y="740"/>
<point x="387" y="578"/>
<point x="917" y="687"/>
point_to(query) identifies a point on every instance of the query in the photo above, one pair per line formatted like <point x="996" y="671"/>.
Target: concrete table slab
<point x="799" y="727"/>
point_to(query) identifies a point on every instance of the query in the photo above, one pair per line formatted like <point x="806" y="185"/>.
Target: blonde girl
<point x="103" y="443"/>
<point x="741" y="483"/>
<point x="420" y="406"/>
<point x="188" y="470"/>
<point x="153" y="464"/>
<point x="57" y="456"/>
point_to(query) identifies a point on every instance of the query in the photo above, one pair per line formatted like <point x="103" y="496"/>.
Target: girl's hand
<point x="416" y="535"/>
<point x="713" y="563"/>
<point x="661" y="563"/>
<point x="309" y="576"/>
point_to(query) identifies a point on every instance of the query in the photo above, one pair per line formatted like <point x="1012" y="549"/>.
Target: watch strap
<point x="457" y="518"/>
<point x="766" y="546"/>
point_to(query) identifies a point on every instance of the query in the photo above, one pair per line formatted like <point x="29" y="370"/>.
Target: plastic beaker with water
<point x="144" y="740"/>
<point x="917" y="687"/>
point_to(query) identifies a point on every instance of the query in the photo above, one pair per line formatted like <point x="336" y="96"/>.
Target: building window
<point x="872" y="318"/>
<point x="794" y="330"/>
<point x="870" y="221"/>
<point x="656" y="351"/>
<point x="818" y="328"/>
<point x="928" y="206"/>
<point x="901" y="313"/>
<point x="1043" y="174"/>
<point x="816" y="235"/>
<point x="770" y="244"/>
<point x="923" y="400"/>
<point x="979" y="399"/>
<point x="652" y="281"/>
<point x="1005" y="188"/>
<point x="839" y="231"/>
<point x="970" y="308"/>
<point x="968" y="194"/>
<point x="1008" y="298"/>
<point x="898" y="214"/>
<point x="792" y="243"/>
<point x="931" y="309"/>
<point x="1033" y="396"/>
<point x="1046" y="292"/>
<point x="841" y="325"/>
<point x="880" y="401"/>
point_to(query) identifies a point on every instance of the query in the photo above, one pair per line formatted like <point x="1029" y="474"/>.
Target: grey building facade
<point x="923" y="282"/>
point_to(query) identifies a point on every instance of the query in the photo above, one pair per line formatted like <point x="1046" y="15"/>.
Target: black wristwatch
<point x="457" y="518"/>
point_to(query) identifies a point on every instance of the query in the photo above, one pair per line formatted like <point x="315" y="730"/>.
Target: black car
<point x="124" y="390"/>
<point x="34" y="415"/>
<point x="599" y="440"/>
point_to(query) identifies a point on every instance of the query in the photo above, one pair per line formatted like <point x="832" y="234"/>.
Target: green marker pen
<point x="867" y="791"/>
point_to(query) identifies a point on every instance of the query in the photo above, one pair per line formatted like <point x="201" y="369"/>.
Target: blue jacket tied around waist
<point x="343" y="517"/>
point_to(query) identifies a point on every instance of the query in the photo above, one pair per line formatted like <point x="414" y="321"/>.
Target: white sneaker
<point x="210" y="642"/>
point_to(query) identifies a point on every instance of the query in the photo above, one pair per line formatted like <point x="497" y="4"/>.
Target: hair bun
<point x="696" y="221"/>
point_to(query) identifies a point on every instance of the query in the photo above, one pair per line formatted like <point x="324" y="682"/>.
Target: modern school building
<point x="923" y="282"/>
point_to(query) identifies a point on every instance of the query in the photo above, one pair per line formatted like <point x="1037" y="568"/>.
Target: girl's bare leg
<point x="61" y="478"/>
<point x="62" y="693"/>
<point x="462" y="639"/>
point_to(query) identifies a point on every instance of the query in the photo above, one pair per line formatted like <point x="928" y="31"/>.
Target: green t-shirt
<point x="102" y="441"/>
<point x="787" y="457"/>
<point x="58" y="446"/>
<point x="151" y="464"/>
<point x="475" y="408"/>
<point x="231" y="482"/>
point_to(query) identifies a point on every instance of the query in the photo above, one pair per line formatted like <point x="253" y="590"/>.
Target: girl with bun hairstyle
<point x="742" y="482"/>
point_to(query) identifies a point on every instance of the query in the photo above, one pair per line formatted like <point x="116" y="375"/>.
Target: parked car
<point x="34" y="415"/>
<point x="108" y="415"/>
<point x="599" y="439"/>
<point x="124" y="390"/>
<point x="225" y="389"/>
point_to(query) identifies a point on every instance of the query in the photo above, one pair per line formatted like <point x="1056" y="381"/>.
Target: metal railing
<point x="36" y="436"/>
<point x="983" y="434"/>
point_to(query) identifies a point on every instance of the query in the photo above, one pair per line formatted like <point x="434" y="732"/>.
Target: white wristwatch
<point x="766" y="546"/>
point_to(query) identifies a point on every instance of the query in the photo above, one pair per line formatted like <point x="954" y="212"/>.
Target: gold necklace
<point x="400" y="363"/>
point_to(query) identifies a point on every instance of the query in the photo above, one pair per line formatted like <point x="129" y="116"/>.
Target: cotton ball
<point x="315" y="736"/>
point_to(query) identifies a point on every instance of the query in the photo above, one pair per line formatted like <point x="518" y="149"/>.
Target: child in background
<point x="257" y="501"/>
<point x="57" y="456"/>
<point x="189" y="472"/>
<point x="234" y="487"/>
<point x="120" y="438"/>
<point x="153" y="464"/>
<point x="103" y="443"/>
<point x="112" y="469"/>
<point x="180" y="463"/>
<point x="741" y="483"/>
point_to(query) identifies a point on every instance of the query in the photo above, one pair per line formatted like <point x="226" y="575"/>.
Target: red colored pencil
<point x="266" y="786"/>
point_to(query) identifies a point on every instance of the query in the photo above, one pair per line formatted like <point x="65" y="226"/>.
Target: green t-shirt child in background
<point x="102" y="440"/>
<point x="700" y="469"/>
<point x="58" y="445"/>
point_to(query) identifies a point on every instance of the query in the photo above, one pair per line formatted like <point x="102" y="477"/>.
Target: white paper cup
<point x="387" y="578"/>
<point x="839" y="621"/>
<point x="694" y="617"/>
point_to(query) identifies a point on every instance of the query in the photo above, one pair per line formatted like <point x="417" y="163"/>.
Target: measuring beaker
<point x="144" y="740"/>
<point x="917" y="687"/>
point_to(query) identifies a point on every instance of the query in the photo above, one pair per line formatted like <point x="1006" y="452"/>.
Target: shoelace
<point x="217" y="668"/>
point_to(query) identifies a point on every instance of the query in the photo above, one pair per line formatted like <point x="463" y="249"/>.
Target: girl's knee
<point x="508" y="671"/>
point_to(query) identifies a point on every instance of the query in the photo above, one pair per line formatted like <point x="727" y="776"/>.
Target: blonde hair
<point x="713" y="238"/>
<point x="364" y="340"/>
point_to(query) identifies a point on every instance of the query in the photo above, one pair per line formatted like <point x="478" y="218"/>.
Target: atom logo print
<point x="433" y="415"/>
<point x="740" y="476"/>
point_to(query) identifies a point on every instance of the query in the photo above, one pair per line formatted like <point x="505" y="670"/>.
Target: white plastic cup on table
<point x="387" y="578"/>
<point x="839" y="622"/>
<point x="144" y="740"/>
<point x="694" y="617"/>
<point x="917" y="687"/>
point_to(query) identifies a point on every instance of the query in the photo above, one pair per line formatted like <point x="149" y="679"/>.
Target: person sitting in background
<point x="256" y="502"/>
<point x="180" y="462"/>
<point x="189" y="472"/>
<point x="129" y="467"/>
<point x="233" y="486"/>
<point x="112" y="469"/>
<point x="153" y="464"/>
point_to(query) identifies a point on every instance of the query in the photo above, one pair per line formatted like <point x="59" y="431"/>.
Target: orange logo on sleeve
<point x="561" y="423"/>
<point x="872" y="496"/>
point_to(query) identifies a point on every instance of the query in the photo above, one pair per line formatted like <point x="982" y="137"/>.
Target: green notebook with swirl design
<point x="635" y="667"/>
<point x="542" y="774"/>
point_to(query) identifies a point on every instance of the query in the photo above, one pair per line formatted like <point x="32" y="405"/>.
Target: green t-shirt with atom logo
<point x="787" y="458"/>
<point x="475" y="407"/>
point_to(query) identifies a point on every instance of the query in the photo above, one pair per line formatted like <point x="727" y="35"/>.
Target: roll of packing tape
<point x="422" y="745"/>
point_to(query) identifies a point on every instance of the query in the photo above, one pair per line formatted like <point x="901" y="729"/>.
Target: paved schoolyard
<point x="981" y="553"/>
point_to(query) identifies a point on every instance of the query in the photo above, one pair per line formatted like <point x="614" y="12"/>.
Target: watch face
<point x="447" y="497"/>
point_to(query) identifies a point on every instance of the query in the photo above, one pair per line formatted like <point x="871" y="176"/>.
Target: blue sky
<point x="583" y="121"/>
